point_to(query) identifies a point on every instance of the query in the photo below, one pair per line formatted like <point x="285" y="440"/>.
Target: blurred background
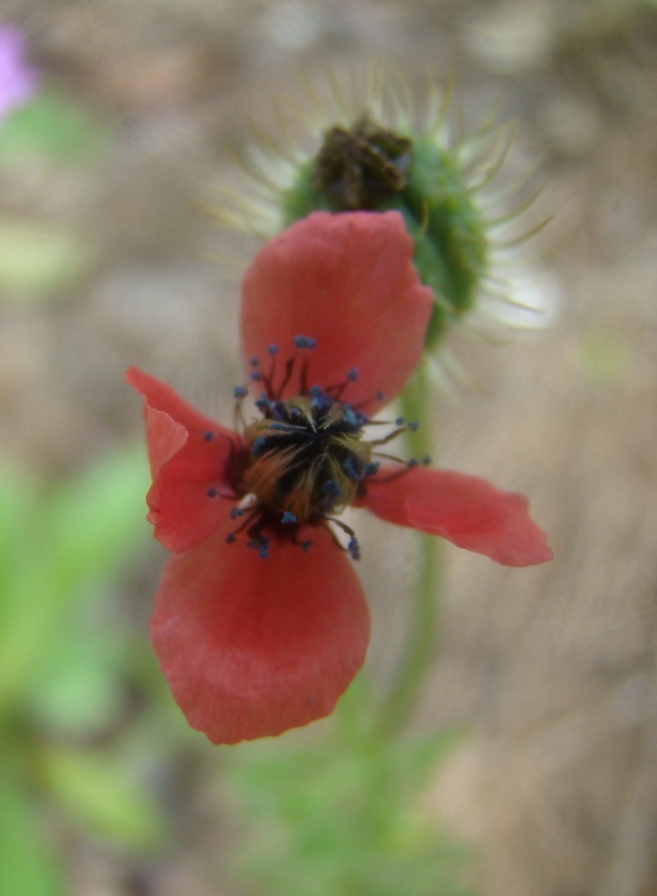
<point x="108" y="256"/>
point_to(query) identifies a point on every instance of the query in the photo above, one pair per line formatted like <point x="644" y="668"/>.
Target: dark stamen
<point x="304" y="342"/>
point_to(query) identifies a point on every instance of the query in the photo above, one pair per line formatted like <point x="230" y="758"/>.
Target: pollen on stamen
<point x="272" y="349"/>
<point x="238" y="392"/>
<point x="211" y="492"/>
<point x="352" y="375"/>
<point x="254" y="362"/>
<point x="288" y="518"/>
<point x="208" y="436"/>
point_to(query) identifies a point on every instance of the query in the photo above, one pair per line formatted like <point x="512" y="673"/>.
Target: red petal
<point x="184" y="465"/>
<point x="252" y="647"/>
<point x="348" y="281"/>
<point x="465" y="510"/>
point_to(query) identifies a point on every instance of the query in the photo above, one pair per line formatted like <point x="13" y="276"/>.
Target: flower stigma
<point x="304" y="460"/>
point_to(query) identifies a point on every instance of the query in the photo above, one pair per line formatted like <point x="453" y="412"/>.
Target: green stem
<point x="419" y="648"/>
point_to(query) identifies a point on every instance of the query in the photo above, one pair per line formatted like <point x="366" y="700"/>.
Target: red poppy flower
<point x="260" y="622"/>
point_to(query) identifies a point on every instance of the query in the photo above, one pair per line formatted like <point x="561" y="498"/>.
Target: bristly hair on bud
<point x="371" y="150"/>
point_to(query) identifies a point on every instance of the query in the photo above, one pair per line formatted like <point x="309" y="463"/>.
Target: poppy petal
<point x="466" y="510"/>
<point x="251" y="646"/>
<point x="348" y="281"/>
<point x="190" y="458"/>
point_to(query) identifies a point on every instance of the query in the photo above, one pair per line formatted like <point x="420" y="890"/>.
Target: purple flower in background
<point x="18" y="80"/>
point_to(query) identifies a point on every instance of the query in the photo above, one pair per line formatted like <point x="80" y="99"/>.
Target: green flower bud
<point x="362" y="163"/>
<point x="370" y="168"/>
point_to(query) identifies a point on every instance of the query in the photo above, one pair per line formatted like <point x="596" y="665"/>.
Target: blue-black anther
<point x="256" y="376"/>
<point x="211" y="492"/>
<point x="261" y="545"/>
<point x="380" y="396"/>
<point x="354" y="548"/>
<point x="350" y="469"/>
<point x="412" y="463"/>
<point x="235" y="512"/>
<point x="400" y="421"/>
<point x="254" y="361"/>
<point x="414" y="426"/>
<point x="272" y="349"/>
<point x="240" y="391"/>
<point x="304" y="545"/>
<point x="231" y="538"/>
<point x="208" y="436"/>
<point x="331" y="488"/>
<point x="288" y="518"/>
<point x="426" y="460"/>
<point x="352" y="375"/>
<point x="304" y="342"/>
<point x="371" y="468"/>
<point x="321" y="403"/>
<point x="258" y="445"/>
<point x="278" y="427"/>
<point x="349" y="416"/>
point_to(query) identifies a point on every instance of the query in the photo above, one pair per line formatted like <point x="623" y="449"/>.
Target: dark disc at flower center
<point x="307" y="456"/>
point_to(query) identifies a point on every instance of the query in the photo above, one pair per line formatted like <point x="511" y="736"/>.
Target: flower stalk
<point x="423" y="628"/>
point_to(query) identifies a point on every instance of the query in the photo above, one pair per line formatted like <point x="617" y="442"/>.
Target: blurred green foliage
<point x="52" y="127"/>
<point x="63" y="670"/>
<point x="343" y="815"/>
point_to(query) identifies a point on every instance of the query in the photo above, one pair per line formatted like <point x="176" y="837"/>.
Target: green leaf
<point x="83" y="533"/>
<point x="343" y="816"/>
<point x="102" y="799"/>
<point x="19" y="497"/>
<point x="79" y="689"/>
<point x="27" y="866"/>
<point x="52" y="126"/>
<point x="97" y="520"/>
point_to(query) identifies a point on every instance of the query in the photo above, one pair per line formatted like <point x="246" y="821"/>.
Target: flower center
<point x="360" y="168"/>
<point x="305" y="459"/>
<point x="307" y="455"/>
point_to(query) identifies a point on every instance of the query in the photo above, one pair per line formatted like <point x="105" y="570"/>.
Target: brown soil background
<point x="553" y="668"/>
